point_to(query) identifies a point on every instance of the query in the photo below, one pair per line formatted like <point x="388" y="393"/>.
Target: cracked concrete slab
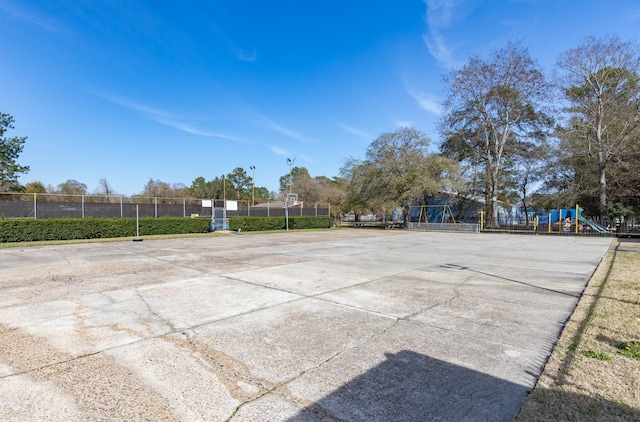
<point x="361" y="325"/>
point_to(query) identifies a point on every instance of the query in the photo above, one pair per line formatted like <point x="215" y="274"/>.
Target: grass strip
<point x="593" y="374"/>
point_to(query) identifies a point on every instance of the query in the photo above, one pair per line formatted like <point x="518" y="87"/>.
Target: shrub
<point x="278" y="223"/>
<point x="25" y="230"/>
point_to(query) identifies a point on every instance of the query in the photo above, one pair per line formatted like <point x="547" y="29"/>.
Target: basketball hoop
<point x="292" y="200"/>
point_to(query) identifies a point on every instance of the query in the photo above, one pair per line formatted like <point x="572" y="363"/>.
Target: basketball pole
<point x="286" y="213"/>
<point x="137" y="239"/>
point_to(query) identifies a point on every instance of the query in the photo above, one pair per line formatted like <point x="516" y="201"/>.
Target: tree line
<point x="509" y="135"/>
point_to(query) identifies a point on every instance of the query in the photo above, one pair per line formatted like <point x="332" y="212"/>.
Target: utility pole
<point x="253" y="185"/>
<point x="290" y="162"/>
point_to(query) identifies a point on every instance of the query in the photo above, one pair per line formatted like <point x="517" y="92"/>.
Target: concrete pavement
<point x="357" y="325"/>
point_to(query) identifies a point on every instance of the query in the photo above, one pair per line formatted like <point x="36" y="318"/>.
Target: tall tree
<point x="241" y="183"/>
<point x="159" y="189"/>
<point x="601" y="84"/>
<point x="291" y="180"/>
<point x="491" y="106"/>
<point x="398" y="169"/>
<point x="528" y="169"/>
<point x="35" y="187"/>
<point x="203" y="189"/>
<point x="72" y="187"/>
<point x="10" y="150"/>
<point x="104" y="188"/>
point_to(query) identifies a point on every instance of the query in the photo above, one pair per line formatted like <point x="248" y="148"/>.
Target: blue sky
<point x="133" y="90"/>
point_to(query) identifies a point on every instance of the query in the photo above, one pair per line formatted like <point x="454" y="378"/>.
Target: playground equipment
<point x="439" y="218"/>
<point x="567" y="221"/>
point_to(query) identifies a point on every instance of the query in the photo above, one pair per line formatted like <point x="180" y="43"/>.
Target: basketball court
<point x="357" y="325"/>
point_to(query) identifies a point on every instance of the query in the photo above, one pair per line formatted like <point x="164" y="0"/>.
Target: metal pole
<point x="121" y="210"/>
<point x="82" y="206"/>
<point x="35" y="206"/>
<point x="253" y="187"/>
<point x="224" y="216"/>
<point x="290" y="162"/>
<point x="137" y="238"/>
<point x="155" y="201"/>
<point x="286" y="213"/>
<point x="224" y="203"/>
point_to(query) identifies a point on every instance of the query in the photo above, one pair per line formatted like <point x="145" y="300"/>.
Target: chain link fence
<point x="45" y="205"/>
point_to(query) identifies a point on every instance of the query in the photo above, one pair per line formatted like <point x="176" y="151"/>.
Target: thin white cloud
<point x="354" y="131"/>
<point x="243" y="56"/>
<point x="428" y="104"/>
<point x="33" y="18"/>
<point x="279" y="151"/>
<point x="439" y="16"/>
<point x="162" y="116"/>
<point x="132" y="105"/>
<point x="191" y="129"/>
<point x="426" y="101"/>
<point x="276" y="127"/>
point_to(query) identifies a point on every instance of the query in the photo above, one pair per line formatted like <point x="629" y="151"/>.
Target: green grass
<point x="597" y="355"/>
<point x="630" y="349"/>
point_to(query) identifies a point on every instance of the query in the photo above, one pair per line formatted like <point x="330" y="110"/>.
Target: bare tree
<point x="601" y="84"/>
<point x="104" y="188"/>
<point x="490" y="107"/>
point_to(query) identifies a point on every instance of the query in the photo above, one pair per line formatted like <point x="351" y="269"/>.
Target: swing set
<point x="440" y="218"/>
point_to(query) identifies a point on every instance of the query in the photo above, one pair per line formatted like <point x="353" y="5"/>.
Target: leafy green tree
<point x="72" y="187"/>
<point x="202" y="189"/>
<point x="35" y="187"/>
<point x="490" y="107"/>
<point x="241" y="183"/>
<point x="290" y="180"/>
<point x="399" y="170"/>
<point x="10" y="150"/>
<point x="601" y="83"/>
<point x="262" y="194"/>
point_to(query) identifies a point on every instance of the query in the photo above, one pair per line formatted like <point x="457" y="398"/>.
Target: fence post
<point x="82" y="206"/>
<point x="268" y="209"/>
<point x="35" y="206"/>
<point x="316" y="209"/>
<point x="184" y="207"/>
<point x="121" y="211"/>
<point x="155" y="202"/>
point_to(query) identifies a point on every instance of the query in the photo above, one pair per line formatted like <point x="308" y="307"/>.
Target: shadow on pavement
<point x="409" y="386"/>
